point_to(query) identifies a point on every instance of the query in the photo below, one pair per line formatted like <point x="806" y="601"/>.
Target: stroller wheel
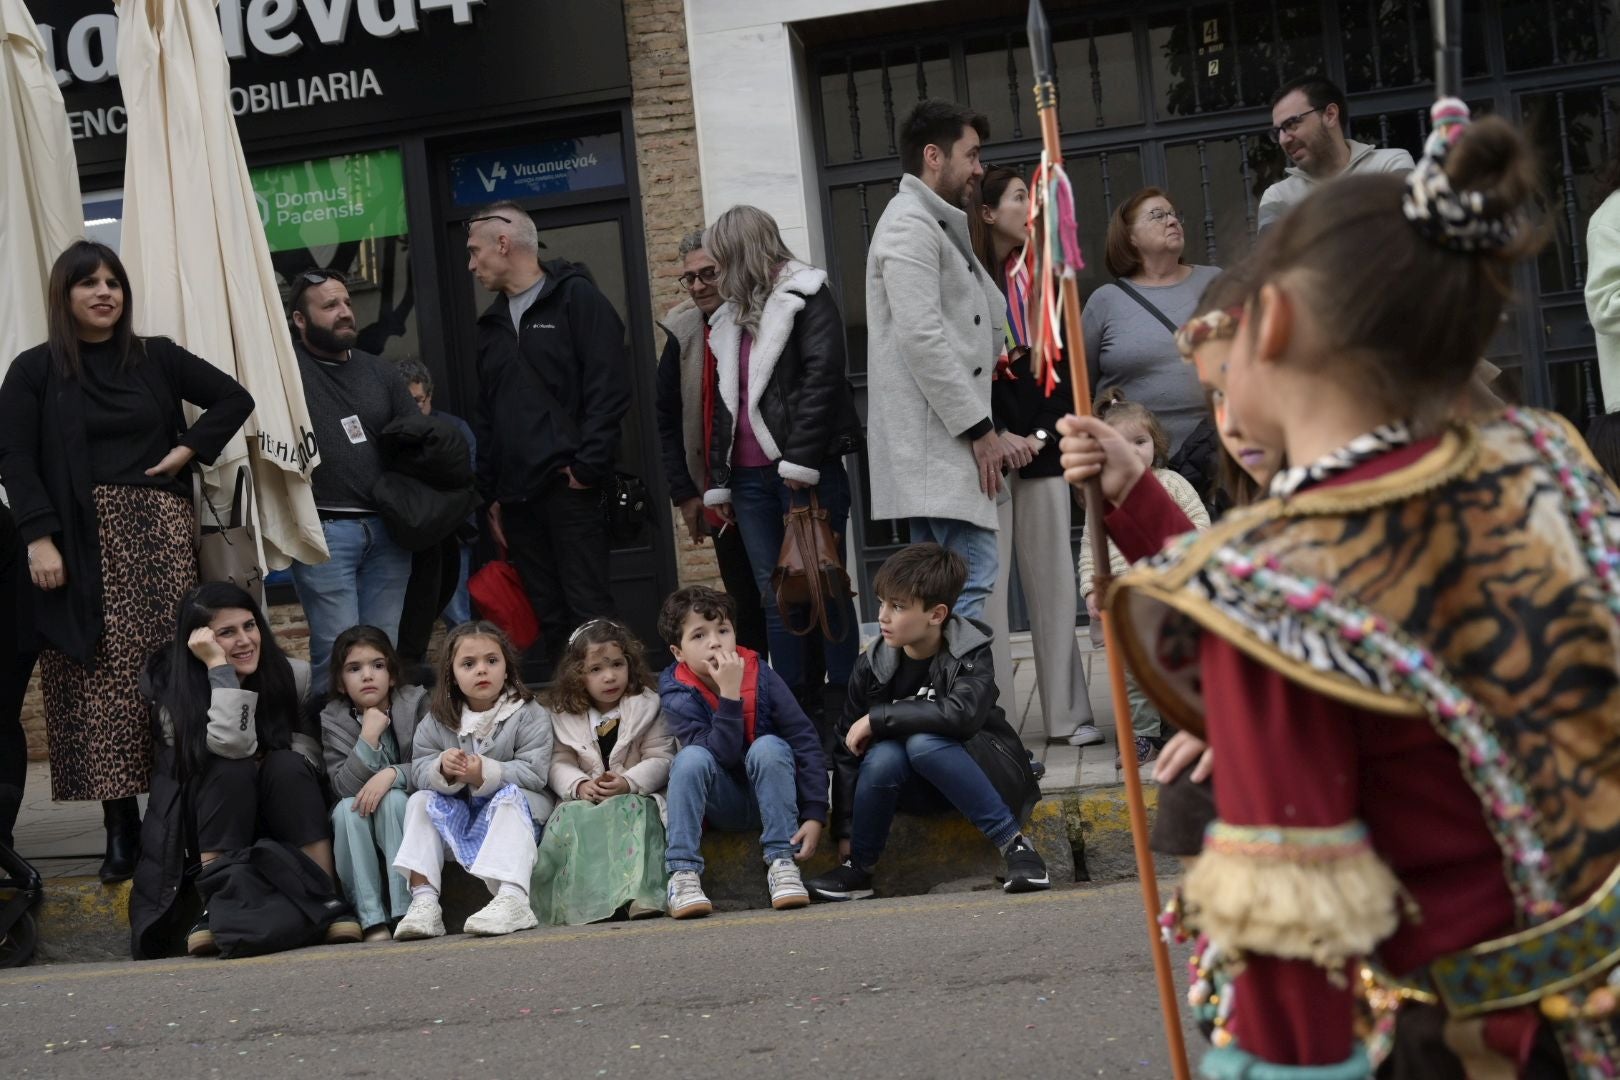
<point x="17" y="943"/>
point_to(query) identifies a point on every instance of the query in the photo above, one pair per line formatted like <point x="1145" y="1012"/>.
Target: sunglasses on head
<point x="313" y="277"/>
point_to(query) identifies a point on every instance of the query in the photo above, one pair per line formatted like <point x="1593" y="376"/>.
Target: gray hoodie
<point x="1292" y="189"/>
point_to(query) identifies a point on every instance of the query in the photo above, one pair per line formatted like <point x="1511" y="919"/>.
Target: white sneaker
<point x="424" y="919"/>
<point x="638" y="910"/>
<point x="1086" y="735"/>
<point x="505" y="914"/>
<point x="787" y="886"/>
<point x="686" y="898"/>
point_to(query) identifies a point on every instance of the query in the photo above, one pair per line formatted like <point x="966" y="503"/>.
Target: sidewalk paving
<point x="65" y="839"/>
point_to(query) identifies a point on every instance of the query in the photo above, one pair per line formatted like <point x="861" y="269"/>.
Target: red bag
<point x="497" y="595"/>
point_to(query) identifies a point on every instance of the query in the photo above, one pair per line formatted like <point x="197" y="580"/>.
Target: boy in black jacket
<point x="922" y="731"/>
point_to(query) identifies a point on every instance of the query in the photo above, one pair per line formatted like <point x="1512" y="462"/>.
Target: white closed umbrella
<point x="40" y="208"/>
<point x="196" y="251"/>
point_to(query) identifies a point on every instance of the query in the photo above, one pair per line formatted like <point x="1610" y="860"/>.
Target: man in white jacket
<point x="1309" y="118"/>
<point x="934" y="327"/>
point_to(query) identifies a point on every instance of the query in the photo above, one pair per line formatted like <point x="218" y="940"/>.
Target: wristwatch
<point x="1044" y="436"/>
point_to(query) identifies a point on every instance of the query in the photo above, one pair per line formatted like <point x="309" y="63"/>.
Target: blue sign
<point x="548" y="168"/>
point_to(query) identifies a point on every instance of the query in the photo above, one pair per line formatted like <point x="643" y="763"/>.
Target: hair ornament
<point x="1217" y="325"/>
<point x="1456" y="221"/>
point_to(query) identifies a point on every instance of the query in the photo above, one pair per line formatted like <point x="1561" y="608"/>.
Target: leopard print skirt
<point x="95" y="718"/>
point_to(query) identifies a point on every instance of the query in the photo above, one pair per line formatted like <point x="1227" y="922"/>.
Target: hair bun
<point x="1493" y="160"/>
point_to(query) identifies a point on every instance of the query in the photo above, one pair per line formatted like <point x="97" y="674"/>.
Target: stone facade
<point x="671" y="187"/>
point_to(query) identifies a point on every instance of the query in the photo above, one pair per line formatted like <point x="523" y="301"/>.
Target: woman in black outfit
<point x="15" y="668"/>
<point x="237" y="759"/>
<point x="94" y="455"/>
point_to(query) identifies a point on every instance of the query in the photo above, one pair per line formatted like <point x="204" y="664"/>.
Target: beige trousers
<point x="1035" y="527"/>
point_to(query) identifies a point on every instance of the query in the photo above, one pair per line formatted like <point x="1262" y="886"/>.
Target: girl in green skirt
<point x="603" y="848"/>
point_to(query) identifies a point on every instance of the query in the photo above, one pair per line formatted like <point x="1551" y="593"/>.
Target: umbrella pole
<point x="1096" y="535"/>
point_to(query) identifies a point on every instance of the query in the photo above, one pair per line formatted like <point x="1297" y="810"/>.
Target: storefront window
<point x="104" y="218"/>
<point x="346" y="213"/>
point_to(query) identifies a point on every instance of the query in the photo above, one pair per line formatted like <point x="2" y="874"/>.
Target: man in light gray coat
<point x="934" y="329"/>
<point x="1309" y="119"/>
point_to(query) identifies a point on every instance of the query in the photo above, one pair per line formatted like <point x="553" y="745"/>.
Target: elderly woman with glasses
<point x="1130" y="325"/>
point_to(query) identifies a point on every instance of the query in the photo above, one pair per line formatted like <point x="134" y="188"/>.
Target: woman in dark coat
<point x="94" y="451"/>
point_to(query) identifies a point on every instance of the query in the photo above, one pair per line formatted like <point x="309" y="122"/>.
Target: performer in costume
<point x="1407" y="661"/>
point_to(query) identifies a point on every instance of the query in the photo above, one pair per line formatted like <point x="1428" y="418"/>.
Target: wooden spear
<point x="1040" y="45"/>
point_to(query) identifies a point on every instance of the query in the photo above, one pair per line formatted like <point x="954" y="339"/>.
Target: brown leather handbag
<point x="809" y="572"/>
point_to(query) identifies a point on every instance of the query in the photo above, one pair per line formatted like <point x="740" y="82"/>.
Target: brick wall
<point x="671" y="195"/>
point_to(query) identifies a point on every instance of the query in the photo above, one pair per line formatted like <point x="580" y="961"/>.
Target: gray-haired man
<point x="552" y="390"/>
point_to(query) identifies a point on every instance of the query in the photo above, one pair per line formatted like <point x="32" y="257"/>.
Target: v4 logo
<point x="496" y="175"/>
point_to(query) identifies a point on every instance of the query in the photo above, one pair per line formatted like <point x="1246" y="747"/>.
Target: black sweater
<point x="48" y="464"/>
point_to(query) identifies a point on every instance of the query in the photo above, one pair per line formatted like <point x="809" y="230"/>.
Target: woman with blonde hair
<point x="782" y="417"/>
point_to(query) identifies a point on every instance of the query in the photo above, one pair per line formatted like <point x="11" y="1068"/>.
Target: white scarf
<point x="481" y="725"/>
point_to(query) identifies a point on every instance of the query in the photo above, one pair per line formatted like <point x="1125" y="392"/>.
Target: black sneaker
<point x="200" y="942"/>
<point x="1026" y="870"/>
<point x="845" y="882"/>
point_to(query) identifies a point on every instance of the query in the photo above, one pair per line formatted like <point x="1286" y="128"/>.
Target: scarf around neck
<point x="481" y="725"/>
<point x="1359" y="450"/>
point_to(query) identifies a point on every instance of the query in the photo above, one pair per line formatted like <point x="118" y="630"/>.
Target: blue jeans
<point x="976" y="546"/>
<point x="362" y="584"/>
<point x="760" y="500"/>
<point x="699" y="787"/>
<point x="459" y="609"/>
<point x="918" y="770"/>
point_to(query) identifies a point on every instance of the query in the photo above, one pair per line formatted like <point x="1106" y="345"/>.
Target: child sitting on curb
<point x="603" y="849"/>
<point x="922" y="731"/>
<point x="749" y="759"/>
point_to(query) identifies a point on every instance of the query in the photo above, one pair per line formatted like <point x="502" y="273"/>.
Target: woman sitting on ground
<point x="232" y="754"/>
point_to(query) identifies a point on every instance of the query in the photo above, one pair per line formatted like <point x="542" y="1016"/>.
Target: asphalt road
<point x="1058" y="984"/>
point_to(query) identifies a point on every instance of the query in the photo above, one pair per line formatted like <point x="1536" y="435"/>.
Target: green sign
<point x="327" y="201"/>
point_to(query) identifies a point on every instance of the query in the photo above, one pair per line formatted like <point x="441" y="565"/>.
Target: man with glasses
<point x="553" y="389"/>
<point x="1310" y="118"/>
<point x="351" y="396"/>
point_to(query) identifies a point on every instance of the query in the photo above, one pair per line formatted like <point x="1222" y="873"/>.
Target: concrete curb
<point x="1083" y="833"/>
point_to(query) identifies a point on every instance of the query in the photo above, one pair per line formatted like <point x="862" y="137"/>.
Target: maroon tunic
<point x="1292" y="757"/>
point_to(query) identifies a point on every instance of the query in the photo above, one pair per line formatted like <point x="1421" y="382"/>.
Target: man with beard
<point x="1309" y="119"/>
<point x="934" y="332"/>
<point x="351" y="396"/>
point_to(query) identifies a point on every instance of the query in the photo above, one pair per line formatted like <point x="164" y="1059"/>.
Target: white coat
<point x="934" y="329"/>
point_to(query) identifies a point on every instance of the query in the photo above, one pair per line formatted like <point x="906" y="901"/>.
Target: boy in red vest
<point x="749" y="759"/>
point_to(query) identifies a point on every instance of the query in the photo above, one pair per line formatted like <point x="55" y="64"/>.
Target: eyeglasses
<point x="311" y="278"/>
<point x="487" y="217"/>
<point x="1159" y="215"/>
<point x="708" y="275"/>
<point x="1289" y="126"/>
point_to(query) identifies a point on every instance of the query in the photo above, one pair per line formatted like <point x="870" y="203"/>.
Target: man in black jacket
<point x="922" y="731"/>
<point x="552" y="390"/>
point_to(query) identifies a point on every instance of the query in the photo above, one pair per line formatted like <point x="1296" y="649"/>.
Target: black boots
<point x="123" y="820"/>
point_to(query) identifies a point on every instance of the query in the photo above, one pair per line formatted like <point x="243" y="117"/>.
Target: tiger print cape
<point x="1476" y="588"/>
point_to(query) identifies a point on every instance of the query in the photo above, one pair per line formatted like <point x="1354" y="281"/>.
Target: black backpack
<point x="267" y="898"/>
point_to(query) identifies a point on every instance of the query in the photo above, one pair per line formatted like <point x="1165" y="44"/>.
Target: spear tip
<point x="1040" y="42"/>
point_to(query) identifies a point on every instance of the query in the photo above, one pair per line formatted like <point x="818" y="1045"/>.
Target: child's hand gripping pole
<point x="1040" y="42"/>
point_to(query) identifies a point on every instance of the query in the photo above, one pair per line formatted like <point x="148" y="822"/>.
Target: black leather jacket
<point x="808" y="408"/>
<point x="964" y="681"/>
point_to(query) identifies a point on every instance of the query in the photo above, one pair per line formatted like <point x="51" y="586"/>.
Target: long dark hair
<point x="567" y="693"/>
<point x="179" y="681"/>
<point x="988" y="193"/>
<point x="447" y="696"/>
<point x="82" y="259"/>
